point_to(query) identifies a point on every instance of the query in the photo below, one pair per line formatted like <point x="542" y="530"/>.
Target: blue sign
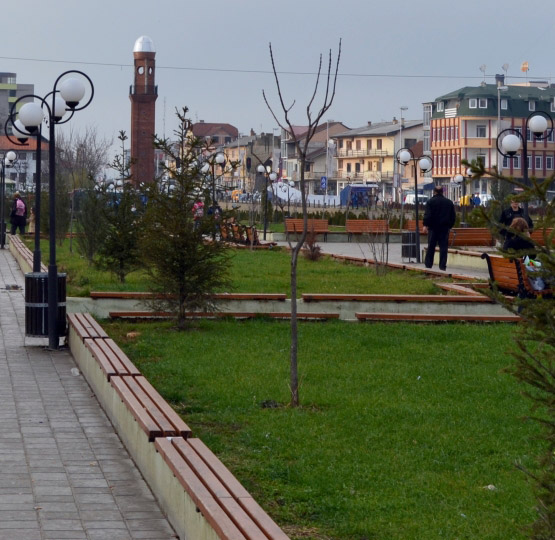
<point x="324" y="182"/>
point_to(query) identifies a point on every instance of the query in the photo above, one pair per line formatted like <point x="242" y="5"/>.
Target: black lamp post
<point x="8" y="160"/>
<point x="268" y="174"/>
<point x="459" y="179"/>
<point x="537" y="123"/>
<point x="425" y="163"/>
<point x="65" y="98"/>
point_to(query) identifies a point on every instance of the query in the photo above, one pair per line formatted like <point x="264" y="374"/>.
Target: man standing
<point x="438" y="219"/>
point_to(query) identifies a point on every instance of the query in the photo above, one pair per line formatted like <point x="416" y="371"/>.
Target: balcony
<point x="365" y="176"/>
<point x="148" y="90"/>
<point x="343" y="153"/>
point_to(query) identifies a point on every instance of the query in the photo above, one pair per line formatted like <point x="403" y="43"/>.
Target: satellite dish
<point x="483" y="68"/>
<point x="505" y="68"/>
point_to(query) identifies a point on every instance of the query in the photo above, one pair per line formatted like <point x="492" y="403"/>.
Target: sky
<point x="214" y="57"/>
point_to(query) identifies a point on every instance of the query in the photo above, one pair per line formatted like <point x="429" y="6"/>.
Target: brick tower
<point x="143" y="96"/>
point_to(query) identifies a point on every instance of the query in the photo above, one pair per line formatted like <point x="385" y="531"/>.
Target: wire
<point x="266" y="72"/>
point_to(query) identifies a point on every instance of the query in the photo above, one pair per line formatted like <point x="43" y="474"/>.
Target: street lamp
<point x="8" y="160"/>
<point x="267" y="172"/>
<point x="537" y="124"/>
<point x="64" y="98"/>
<point x="459" y="179"/>
<point x="404" y="157"/>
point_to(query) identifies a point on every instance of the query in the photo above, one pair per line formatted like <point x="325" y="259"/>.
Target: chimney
<point x="252" y="133"/>
<point x="369" y="123"/>
<point x="500" y="80"/>
<point x="201" y="121"/>
<point x="395" y="121"/>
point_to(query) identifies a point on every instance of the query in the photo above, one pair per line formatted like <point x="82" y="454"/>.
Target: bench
<point x="238" y="233"/>
<point x="111" y="359"/>
<point x="434" y="317"/>
<point x="471" y="237"/>
<point x="509" y="276"/>
<point x="201" y="491"/>
<point x="538" y="236"/>
<point x="85" y="325"/>
<point x="316" y="226"/>
<point x="410" y="225"/>
<point x="222" y="315"/>
<point x="365" y="226"/>
<point x="23" y="255"/>
<point x="152" y="413"/>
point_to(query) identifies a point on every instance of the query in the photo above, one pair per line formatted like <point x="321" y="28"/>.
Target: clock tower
<point x="143" y="96"/>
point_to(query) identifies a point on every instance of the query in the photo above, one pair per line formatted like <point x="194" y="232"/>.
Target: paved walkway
<point x="64" y="473"/>
<point x="364" y="250"/>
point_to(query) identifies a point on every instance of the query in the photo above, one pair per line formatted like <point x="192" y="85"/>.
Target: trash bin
<point x="408" y="245"/>
<point x="36" y="304"/>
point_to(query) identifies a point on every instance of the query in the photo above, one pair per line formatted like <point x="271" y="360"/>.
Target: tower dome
<point x="144" y="44"/>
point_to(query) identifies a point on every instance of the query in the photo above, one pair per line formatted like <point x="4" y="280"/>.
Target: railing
<point x="365" y="175"/>
<point x="342" y="153"/>
<point x="148" y="90"/>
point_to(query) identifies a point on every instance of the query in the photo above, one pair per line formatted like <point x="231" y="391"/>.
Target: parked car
<point x="410" y="198"/>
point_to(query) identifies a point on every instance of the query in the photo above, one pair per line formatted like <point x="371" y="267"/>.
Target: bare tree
<point x="301" y="145"/>
<point x="81" y="156"/>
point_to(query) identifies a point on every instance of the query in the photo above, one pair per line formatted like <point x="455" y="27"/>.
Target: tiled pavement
<point x="64" y="473"/>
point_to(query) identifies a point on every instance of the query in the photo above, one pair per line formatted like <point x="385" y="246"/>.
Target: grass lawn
<point x="258" y="271"/>
<point x="403" y="427"/>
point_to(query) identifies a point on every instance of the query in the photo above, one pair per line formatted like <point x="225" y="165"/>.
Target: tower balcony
<point x="142" y="90"/>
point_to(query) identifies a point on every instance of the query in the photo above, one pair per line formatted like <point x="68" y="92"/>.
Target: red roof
<point x="207" y="129"/>
<point x="30" y="146"/>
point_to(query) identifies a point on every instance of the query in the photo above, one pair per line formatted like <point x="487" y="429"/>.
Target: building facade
<point x="465" y="124"/>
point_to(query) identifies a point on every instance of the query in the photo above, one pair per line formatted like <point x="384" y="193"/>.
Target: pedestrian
<point x="507" y="217"/>
<point x="32" y="219"/>
<point x="18" y="215"/>
<point x="521" y="242"/>
<point x="439" y="217"/>
<point x="477" y="200"/>
<point x="198" y="214"/>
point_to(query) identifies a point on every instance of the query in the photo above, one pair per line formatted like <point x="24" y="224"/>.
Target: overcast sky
<point x="213" y="57"/>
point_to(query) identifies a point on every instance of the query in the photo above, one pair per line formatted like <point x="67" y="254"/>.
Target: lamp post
<point x="509" y="144"/>
<point x="459" y="179"/>
<point x="404" y="157"/>
<point x="8" y="159"/>
<point x="65" y="98"/>
<point x="268" y="174"/>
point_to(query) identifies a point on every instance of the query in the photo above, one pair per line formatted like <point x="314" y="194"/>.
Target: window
<point x="504" y="104"/>
<point x="551" y="136"/>
<point x="482" y="158"/>
<point x="357" y="167"/>
<point x="427" y="114"/>
<point x="368" y="144"/>
<point x="472" y="103"/>
<point x="215" y="139"/>
<point x="227" y="140"/>
<point x="340" y="143"/>
<point x="349" y="145"/>
<point x="514" y="161"/>
<point x="348" y="167"/>
<point x="552" y="107"/>
<point x="340" y="164"/>
<point x="538" y="162"/>
<point x="456" y="133"/>
<point x="531" y="105"/>
<point x="358" y="144"/>
<point x="549" y="162"/>
<point x="528" y="162"/>
<point x="434" y="135"/>
<point x="379" y="144"/>
<point x="442" y="133"/>
<point x="481" y="132"/>
<point x="483" y="103"/>
<point x="439" y="107"/>
<point x="369" y="166"/>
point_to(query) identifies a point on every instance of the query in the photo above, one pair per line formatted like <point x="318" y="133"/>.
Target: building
<point x="216" y="134"/>
<point x="367" y="155"/>
<point x="465" y="124"/>
<point x="319" y="157"/>
<point x="10" y="92"/>
<point x="143" y="96"/>
<point x="22" y="176"/>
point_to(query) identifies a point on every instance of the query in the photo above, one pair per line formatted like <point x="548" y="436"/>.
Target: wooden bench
<point x="538" y="236"/>
<point x="111" y="359"/>
<point x="222" y="315"/>
<point x="153" y="414"/>
<point x="23" y="255"/>
<point x="434" y="317"/>
<point x="365" y="226"/>
<point x="410" y="225"/>
<point x="395" y="298"/>
<point x="85" y="325"/>
<point x="317" y="226"/>
<point x="238" y="233"/>
<point x="509" y="276"/>
<point x="210" y="488"/>
<point x="471" y="237"/>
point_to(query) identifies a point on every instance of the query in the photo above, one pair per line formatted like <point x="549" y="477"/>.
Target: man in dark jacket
<point x="18" y="215"/>
<point x="507" y="217"/>
<point x="438" y="219"/>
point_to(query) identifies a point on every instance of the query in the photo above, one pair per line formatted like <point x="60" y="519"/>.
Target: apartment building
<point x="367" y="154"/>
<point x="465" y="124"/>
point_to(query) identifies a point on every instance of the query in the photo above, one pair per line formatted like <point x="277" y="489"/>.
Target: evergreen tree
<point x="185" y="263"/>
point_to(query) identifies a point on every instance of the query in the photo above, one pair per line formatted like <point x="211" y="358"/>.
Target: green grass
<point x="258" y="271"/>
<point x="402" y="426"/>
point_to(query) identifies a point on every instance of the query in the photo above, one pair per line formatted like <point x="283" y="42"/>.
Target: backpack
<point x="20" y="208"/>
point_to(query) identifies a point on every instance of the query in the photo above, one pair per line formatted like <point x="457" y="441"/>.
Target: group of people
<point x="440" y="216"/>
